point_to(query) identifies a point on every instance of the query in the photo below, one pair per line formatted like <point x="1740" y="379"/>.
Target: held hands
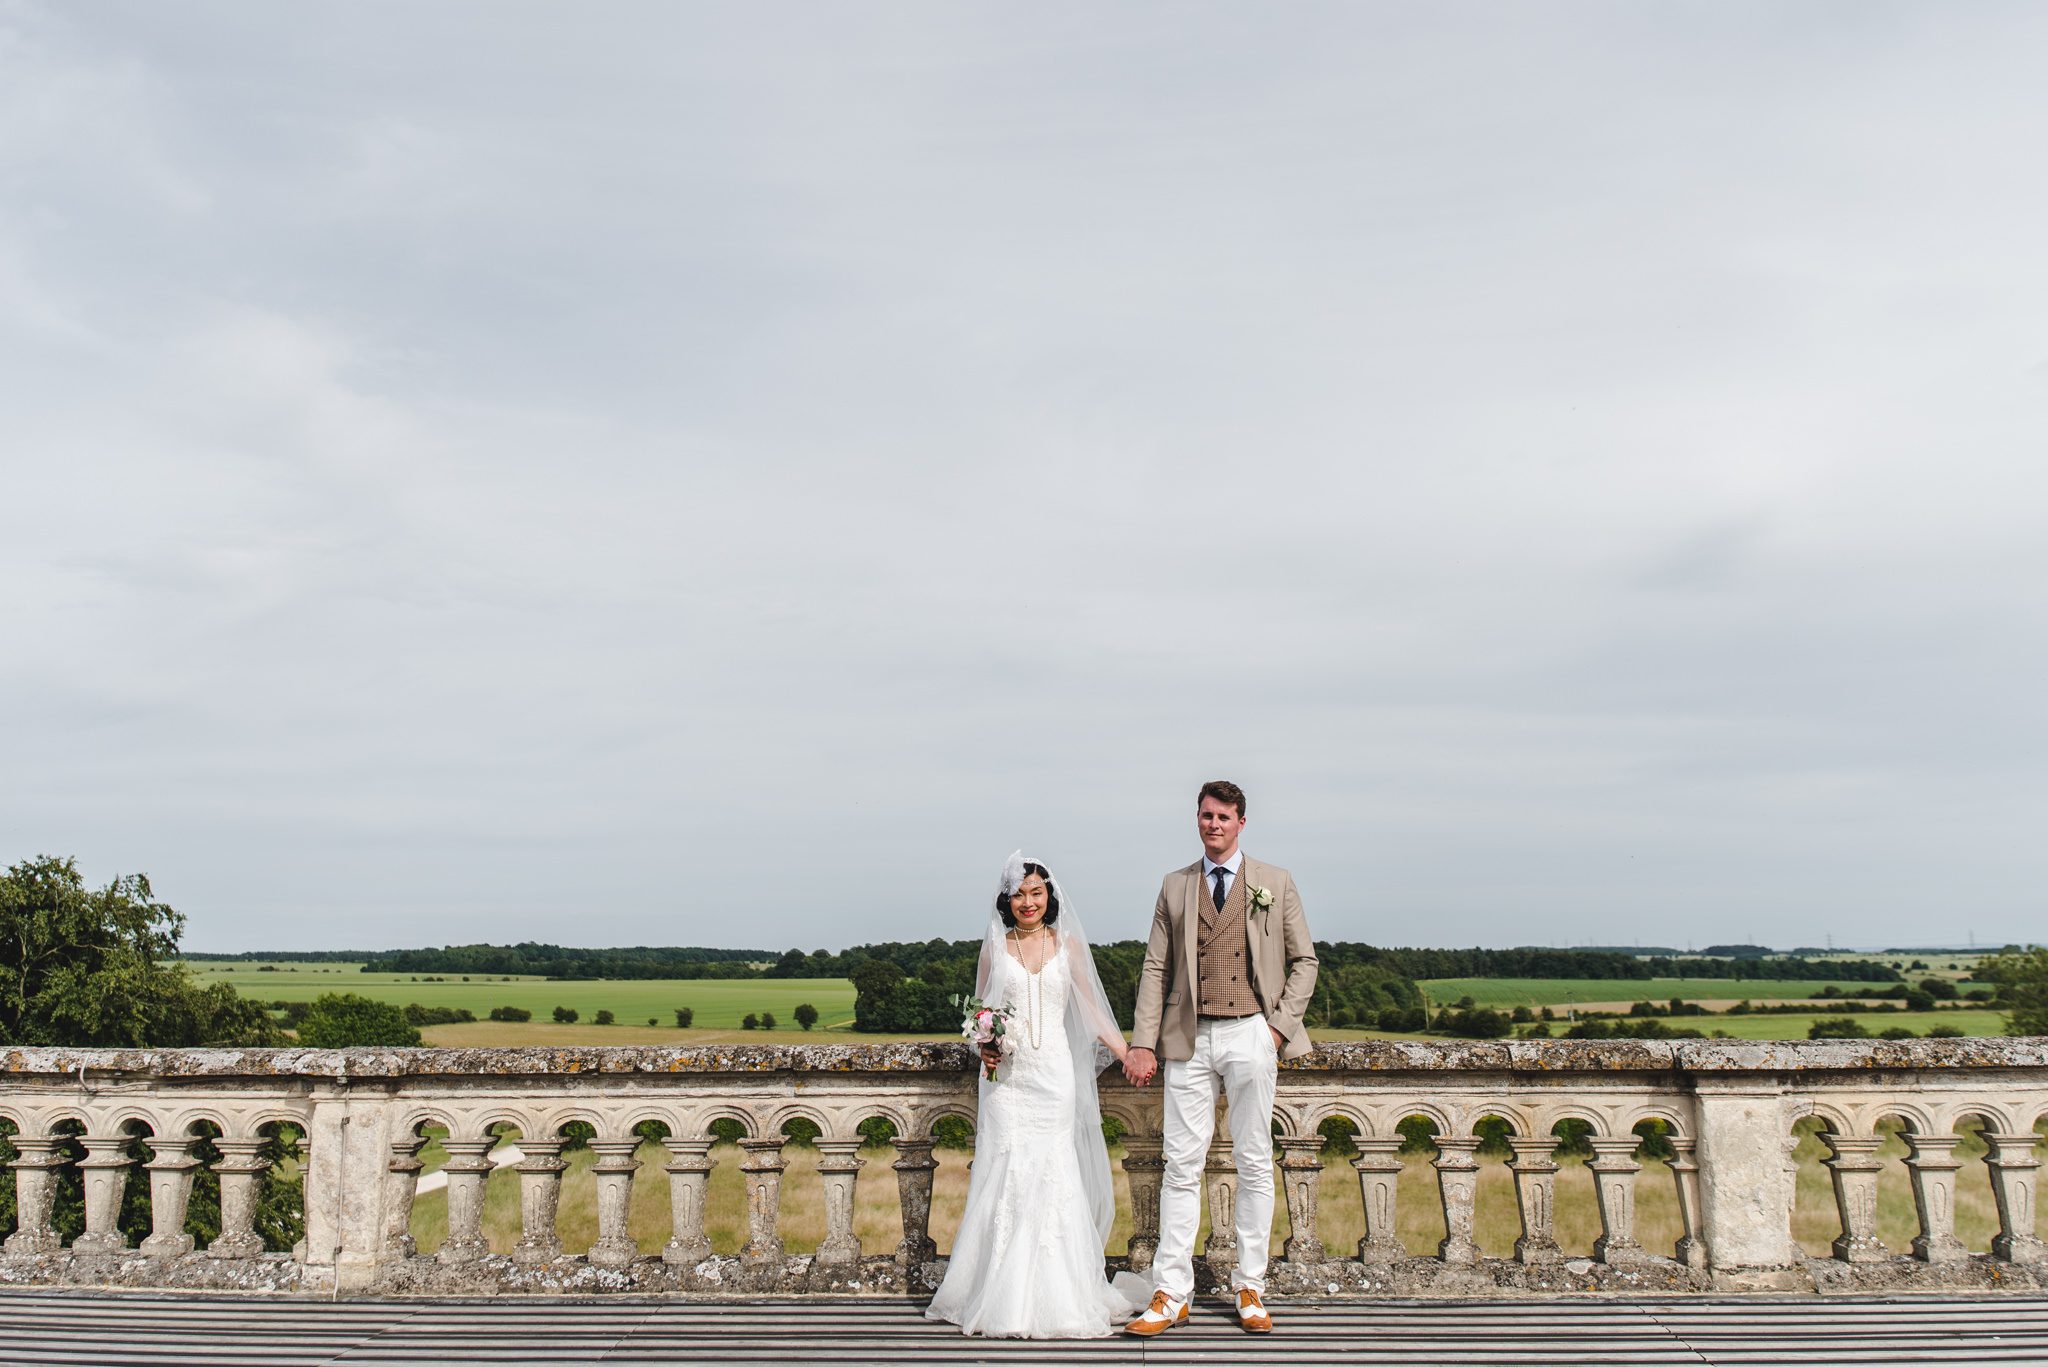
<point x="1139" y="1066"/>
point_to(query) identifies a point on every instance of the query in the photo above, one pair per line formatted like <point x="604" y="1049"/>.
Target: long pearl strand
<point x="1034" y="995"/>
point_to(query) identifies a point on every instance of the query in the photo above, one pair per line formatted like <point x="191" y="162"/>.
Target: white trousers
<point x="1238" y="1057"/>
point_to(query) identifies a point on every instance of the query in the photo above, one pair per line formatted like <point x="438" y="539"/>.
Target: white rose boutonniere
<point x="1259" y="898"/>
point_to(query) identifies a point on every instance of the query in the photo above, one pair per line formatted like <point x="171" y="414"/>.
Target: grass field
<point x="718" y="1003"/>
<point x="1533" y="992"/>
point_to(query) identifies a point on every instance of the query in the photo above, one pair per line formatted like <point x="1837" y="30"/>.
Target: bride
<point x="1027" y="1260"/>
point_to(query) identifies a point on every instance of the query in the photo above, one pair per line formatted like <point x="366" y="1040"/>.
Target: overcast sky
<point x="666" y="474"/>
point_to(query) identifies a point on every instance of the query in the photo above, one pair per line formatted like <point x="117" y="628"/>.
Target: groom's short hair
<point x="1223" y="790"/>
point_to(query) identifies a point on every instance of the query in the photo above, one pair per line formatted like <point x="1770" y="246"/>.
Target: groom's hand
<point x="1139" y="1065"/>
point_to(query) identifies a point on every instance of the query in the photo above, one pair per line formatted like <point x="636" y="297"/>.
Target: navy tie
<point x="1219" y="888"/>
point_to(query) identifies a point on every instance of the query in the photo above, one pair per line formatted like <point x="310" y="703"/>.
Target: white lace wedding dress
<point x="1027" y="1261"/>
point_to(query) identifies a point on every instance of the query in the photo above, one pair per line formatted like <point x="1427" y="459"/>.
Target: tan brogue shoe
<point x="1159" y="1316"/>
<point x="1251" y="1312"/>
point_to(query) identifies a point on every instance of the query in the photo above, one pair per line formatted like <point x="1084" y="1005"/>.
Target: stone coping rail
<point x="1552" y="1055"/>
<point x="1726" y="1108"/>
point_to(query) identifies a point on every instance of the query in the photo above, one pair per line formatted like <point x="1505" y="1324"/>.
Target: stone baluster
<point x="36" y="1160"/>
<point x="1932" y="1163"/>
<point x="1457" y="1180"/>
<point x="468" y="1167"/>
<point x="1301" y="1168"/>
<point x="1614" y="1170"/>
<point x="763" y="1170"/>
<point x="1379" y="1187"/>
<point x="914" y="1167"/>
<point x="1221" y="1175"/>
<point x="2014" y="1171"/>
<point x="689" y="1172"/>
<point x="305" y="1152"/>
<point x="170" y="1193"/>
<point x="1145" y="1169"/>
<point x="614" y="1169"/>
<point x="105" y="1166"/>
<point x="1685" y="1172"/>
<point x="240" y="1169"/>
<point x="1853" y="1163"/>
<point x="399" y="1193"/>
<point x="839" y="1165"/>
<point x="1536" y="1197"/>
<point x="540" y="1198"/>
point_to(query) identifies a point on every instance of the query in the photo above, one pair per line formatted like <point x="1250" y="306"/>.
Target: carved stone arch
<point x="1672" y="1116"/>
<point x="64" y="1112"/>
<point x="179" y="1126"/>
<point x="1915" y="1116"/>
<point x="477" y="1123"/>
<point x="23" y="1117"/>
<point x="1518" y="1115"/>
<point x="1545" y="1117"/>
<point x="1358" y="1114"/>
<point x="694" y="1122"/>
<point x="639" y="1113"/>
<point x="1295" y="1119"/>
<point x="1137" y="1118"/>
<point x="555" y="1117"/>
<point x="1994" y="1115"/>
<point x="864" y="1109"/>
<point x="929" y="1116"/>
<point x="793" y="1110"/>
<point x="1837" y="1118"/>
<point x="409" y="1123"/>
<point x="1438" y="1115"/>
<point x="117" y="1118"/>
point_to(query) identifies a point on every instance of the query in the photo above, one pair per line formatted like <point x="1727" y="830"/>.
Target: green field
<point x="1533" y="992"/>
<point x="1790" y="1026"/>
<point x="718" y="1003"/>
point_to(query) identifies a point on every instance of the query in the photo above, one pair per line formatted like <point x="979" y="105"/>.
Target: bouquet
<point x="982" y="1025"/>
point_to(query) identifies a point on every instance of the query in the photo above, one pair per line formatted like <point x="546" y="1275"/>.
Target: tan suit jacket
<point x="1283" y="961"/>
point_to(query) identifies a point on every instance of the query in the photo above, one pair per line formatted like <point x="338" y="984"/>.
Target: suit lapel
<point x="1190" y="923"/>
<point x="1251" y="876"/>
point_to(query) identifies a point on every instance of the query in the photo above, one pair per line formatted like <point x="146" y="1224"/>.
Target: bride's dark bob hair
<point x="1052" y="898"/>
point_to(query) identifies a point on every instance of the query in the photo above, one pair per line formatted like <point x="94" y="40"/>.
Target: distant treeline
<point x="1531" y="962"/>
<point x="304" y="956"/>
<point x="558" y="961"/>
<point x="950" y="964"/>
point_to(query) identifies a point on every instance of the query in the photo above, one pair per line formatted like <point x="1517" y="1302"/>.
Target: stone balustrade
<point x="1728" y="1110"/>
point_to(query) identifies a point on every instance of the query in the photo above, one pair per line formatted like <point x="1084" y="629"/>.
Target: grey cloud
<point x="473" y="471"/>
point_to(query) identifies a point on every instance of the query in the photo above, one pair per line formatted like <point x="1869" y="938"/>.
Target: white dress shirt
<point x="1229" y="866"/>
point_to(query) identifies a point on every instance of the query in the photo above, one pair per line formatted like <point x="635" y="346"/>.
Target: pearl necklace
<point x="1034" y="994"/>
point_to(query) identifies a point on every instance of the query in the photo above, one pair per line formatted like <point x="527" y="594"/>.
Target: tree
<point x="1837" y="1027"/>
<point x="1943" y="989"/>
<point x="767" y="1020"/>
<point x="565" y="1015"/>
<point x="684" y="1015"/>
<point x="806" y="1015"/>
<point x="96" y="968"/>
<point x="603" y="1018"/>
<point x="510" y="1013"/>
<point x="750" y="1021"/>
<point x="2021" y="976"/>
<point x="342" y="1020"/>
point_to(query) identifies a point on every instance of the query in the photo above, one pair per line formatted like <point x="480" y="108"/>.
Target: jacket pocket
<point x="1173" y="999"/>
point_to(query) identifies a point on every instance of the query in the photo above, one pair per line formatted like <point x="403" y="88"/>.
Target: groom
<point x="1228" y="972"/>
